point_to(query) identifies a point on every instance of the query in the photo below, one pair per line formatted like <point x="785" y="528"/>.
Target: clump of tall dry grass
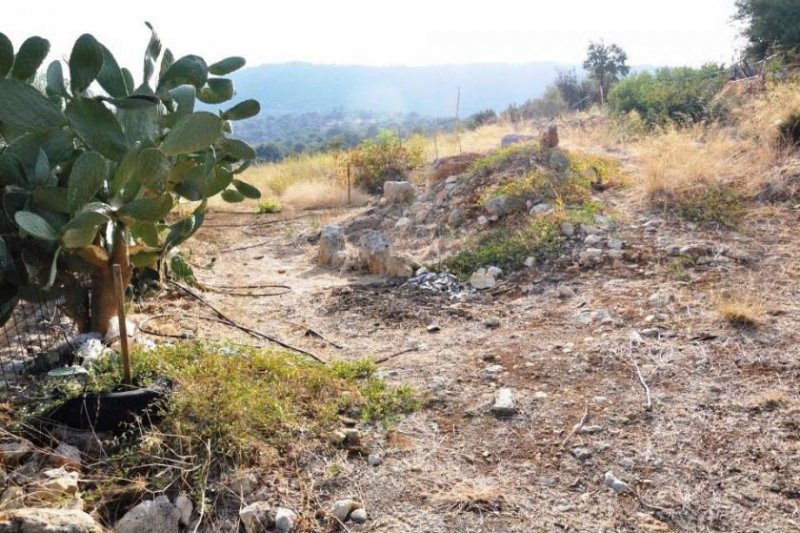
<point x="740" y="308"/>
<point x="321" y="195"/>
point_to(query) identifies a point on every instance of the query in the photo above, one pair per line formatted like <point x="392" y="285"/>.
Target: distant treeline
<point x="277" y="137"/>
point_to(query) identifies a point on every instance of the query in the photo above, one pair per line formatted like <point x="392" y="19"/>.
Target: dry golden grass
<point x="480" y="140"/>
<point x="321" y="195"/>
<point x="740" y="309"/>
<point x="472" y="497"/>
<point x="768" y="400"/>
<point x="760" y="116"/>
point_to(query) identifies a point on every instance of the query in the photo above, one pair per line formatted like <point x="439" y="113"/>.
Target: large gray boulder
<point x="151" y="515"/>
<point x="331" y="242"/>
<point x="376" y="247"/>
<point x="398" y="192"/>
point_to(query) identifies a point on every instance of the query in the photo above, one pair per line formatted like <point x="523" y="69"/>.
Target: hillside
<point x="298" y="87"/>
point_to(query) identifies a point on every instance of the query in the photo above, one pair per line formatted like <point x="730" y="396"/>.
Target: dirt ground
<point x="719" y="449"/>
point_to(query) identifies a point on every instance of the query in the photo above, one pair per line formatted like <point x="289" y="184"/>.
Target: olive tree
<point x="93" y="166"/>
<point x="606" y="64"/>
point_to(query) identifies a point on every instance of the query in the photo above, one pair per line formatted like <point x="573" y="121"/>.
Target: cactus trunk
<point x="104" y="298"/>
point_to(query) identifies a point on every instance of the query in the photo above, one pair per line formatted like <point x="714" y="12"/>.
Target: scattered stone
<point x="548" y="137"/>
<point x="567" y="229"/>
<point x="402" y="223"/>
<point x="661" y="299"/>
<point x="599" y="399"/>
<point x="499" y="206"/>
<point x="455" y="218"/>
<point x="601" y="447"/>
<point x="243" y="483"/>
<point x="494" y="271"/>
<point x="442" y="282"/>
<point x="51" y="521"/>
<point x="375" y="459"/>
<point x="151" y="515"/>
<point x="437" y="384"/>
<point x="359" y="516"/>
<point x="581" y="454"/>
<point x="626" y="462"/>
<point x="504" y="403"/>
<point x="492" y="323"/>
<point x="587" y="317"/>
<point x="591" y="430"/>
<point x="619" y="486"/>
<point x="341" y="509"/>
<point x="57" y="483"/>
<point x="592" y="252"/>
<point x="352" y="436"/>
<point x="635" y="338"/>
<point x="66" y="455"/>
<point x="256" y="517"/>
<point x="420" y="271"/>
<point x="284" y="519"/>
<point x="12" y="453"/>
<point x="563" y="506"/>
<point x="542" y="209"/>
<point x="565" y="292"/>
<point x="376" y="247"/>
<point x="482" y="220"/>
<point x="482" y="280"/>
<point x="331" y="241"/>
<point x="592" y="240"/>
<point x="615" y="244"/>
<point x="93" y="351"/>
<point x="398" y="192"/>
<point x="338" y="437"/>
<point x="433" y="328"/>
<point x="530" y="262"/>
<point x="616" y="254"/>
<point x="339" y="259"/>
<point x="539" y="395"/>
<point x="515" y="138"/>
<point x="491" y="372"/>
<point x="185" y="507"/>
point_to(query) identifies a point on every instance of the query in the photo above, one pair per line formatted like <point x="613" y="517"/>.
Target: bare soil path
<point x="718" y="451"/>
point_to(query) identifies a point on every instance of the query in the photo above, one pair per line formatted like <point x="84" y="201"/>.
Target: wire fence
<point x="34" y="327"/>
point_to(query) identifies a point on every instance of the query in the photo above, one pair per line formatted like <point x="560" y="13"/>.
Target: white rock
<point x="635" y="338"/>
<point x="420" y="271"/>
<point x="56" y="484"/>
<point x="331" y="241"/>
<point x="565" y="292"/>
<point x="661" y="299"/>
<point x="256" y="517"/>
<point x="185" y="507"/>
<point x="619" y="486"/>
<point x="592" y="240"/>
<point x="482" y="220"/>
<point x="481" y="280"/>
<point x="375" y="459"/>
<point x="359" y="516"/>
<point x="113" y="329"/>
<point x="50" y="521"/>
<point x="542" y="209"/>
<point x="567" y="229"/>
<point x="66" y="455"/>
<point x="284" y="519"/>
<point x="436" y="383"/>
<point x="341" y="509"/>
<point x="402" y="223"/>
<point x="530" y="262"/>
<point x="494" y="271"/>
<point x="151" y="515"/>
<point x="397" y="192"/>
<point x="615" y="244"/>
<point x="491" y="372"/>
<point x="504" y="403"/>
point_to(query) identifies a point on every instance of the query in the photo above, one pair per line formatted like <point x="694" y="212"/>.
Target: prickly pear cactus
<point x="92" y="163"/>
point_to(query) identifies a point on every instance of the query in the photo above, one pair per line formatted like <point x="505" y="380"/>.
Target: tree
<point x="92" y="169"/>
<point x="606" y="64"/>
<point x="578" y="94"/>
<point x="768" y="23"/>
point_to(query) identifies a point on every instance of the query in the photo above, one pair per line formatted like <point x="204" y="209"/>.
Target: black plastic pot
<point x="108" y="411"/>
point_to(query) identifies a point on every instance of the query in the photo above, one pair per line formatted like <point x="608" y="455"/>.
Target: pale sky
<point x="398" y="32"/>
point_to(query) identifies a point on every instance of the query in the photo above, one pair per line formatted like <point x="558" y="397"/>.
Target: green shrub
<point x="679" y="95"/>
<point x="270" y="205"/>
<point x="508" y="248"/>
<point x="386" y="157"/>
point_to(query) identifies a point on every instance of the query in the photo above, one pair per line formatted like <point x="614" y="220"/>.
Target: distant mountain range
<point x="296" y="88"/>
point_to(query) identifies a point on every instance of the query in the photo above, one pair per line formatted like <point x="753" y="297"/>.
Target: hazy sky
<point x="408" y="32"/>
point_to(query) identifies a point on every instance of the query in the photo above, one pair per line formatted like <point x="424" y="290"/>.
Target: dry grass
<point x="701" y="174"/>
<point x="740" y="309"/>
<point x="321" y="195"/>
<point x="768" y="400"/>
<point x="480" y="140"/>
<point x="473" y="497"/>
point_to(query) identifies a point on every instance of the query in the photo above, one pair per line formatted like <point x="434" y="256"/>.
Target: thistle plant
<point x="92" y="166"/>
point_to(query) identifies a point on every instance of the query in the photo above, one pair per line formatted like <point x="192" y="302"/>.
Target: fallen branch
<point x="577" y="427"/>
<point x="250" y="331"/>
<point x="392" y="356"/>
